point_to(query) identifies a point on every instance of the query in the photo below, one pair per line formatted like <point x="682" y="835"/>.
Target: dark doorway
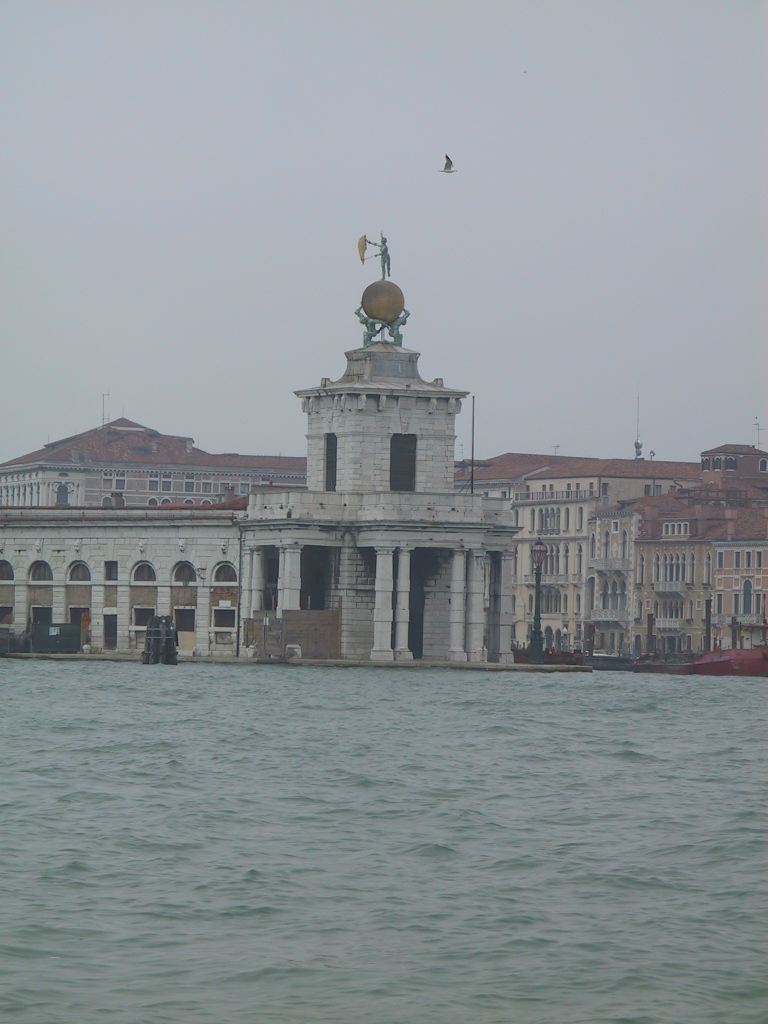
<point x="402" y="462"/>
<point x="315" y="576"/>
<point x="271" y="572"/>
<point x="423" y="568"/>
<point x="110" y="632"/>
<point x="42" y="616"/>
<point x="76" y="615"/>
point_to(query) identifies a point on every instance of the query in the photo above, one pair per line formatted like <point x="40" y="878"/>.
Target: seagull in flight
<point x="449" y="168"/>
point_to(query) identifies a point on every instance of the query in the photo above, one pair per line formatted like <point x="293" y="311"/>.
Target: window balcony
<point x="618" y="615"/>
<point x="671" y="586"/>
<point x="545" y="497"/>
<point x="610" y="564"/>
<point x="738" y="620"/>
<point x="676" y="624"/>
<point x="551" y="580"/>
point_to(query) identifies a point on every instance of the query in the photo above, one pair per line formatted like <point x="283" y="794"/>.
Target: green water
<point x="254" y="844"/>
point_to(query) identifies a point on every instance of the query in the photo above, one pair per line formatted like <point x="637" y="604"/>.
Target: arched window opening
<point x="641" y="570"/>
<point x="79" y="573"/>
<point x="40" y="572"/>
<point x="747" y="597"/>
<point x="567" y="518"/>
<point x="730" y="462"/>
<point x="225" y="573"/>
<point x="184" y="573"/>
<point x="6" y="571"/>
<point x="763" y="465"/>
<point x="717" y="463"/>
<point x="106" y="501"/>
<point x="152" y="502"/>
<point x="708" y="569"/>
<point x="579" y="518"/>
<point x="144" y="573"/>
<point x="592" y="546"/>
<point x="705" y="463"/>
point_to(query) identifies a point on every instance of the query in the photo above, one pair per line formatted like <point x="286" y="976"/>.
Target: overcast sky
<point x="183" y="185"/>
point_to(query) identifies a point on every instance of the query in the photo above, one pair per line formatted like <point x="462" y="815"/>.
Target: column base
<point x="382" y="655"/>
<point x="507" y="658"/>
<point x="405" y="655"/>
<point x="457" y="655"/>
<point x="475" y="656"/>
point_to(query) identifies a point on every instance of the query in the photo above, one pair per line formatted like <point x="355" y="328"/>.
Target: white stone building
<point x="380" y="558"/>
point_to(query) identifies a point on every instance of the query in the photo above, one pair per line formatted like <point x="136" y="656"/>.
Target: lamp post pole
<point x="539" y="553"/>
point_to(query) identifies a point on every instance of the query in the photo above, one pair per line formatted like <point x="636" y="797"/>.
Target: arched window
<point x="692" y="569"/>
<point x="541" y="519"/>
<point x="708" y="569"/>
<point x="579" y="559"/>
<point x="746" y="603"/>
<point x="530" y="604"/>
<point x="533" y="520"/>
<point x="578" y="604"/>
<point x="184" y="573"/>
<point x="717" y="463"/>
<point x="656" y="568"/>
<point x="144" y="573"/>
<point x="567" y="518"/>
<point x="205" y="501"/>
<point x="79" y="573"/>
<point x="730" y="462"/>
<point x="40" y="572"/>
<point x="641" y="570"/>
<point x="6" y="570"/>
<point x="763" y="466"/>
<point x="566" y="559"/>
<point x="165" y="501"/>
<point x="606" y="545"/>
<point x="224" y="573"/>
<point x="106" y="501"/>
<point x="666" y="569"/>
<point x="152" y="502"/>
<point x="592" y="546"/>
<point x="579" y="518"/>
<point x="624" y="544"/>
<point x="705" y="463"/>
<point x="189" y="501"/>
<point x="565" y="604"/>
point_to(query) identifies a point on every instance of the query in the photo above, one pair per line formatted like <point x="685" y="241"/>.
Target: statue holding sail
<point x="382" y="308"/>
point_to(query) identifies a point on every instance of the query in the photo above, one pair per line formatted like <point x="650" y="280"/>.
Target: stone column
<point x="403" y="605"/>
<point x="257" y="581"/>
<point x="280" y="581"/>
<point x="289" y="582"/>
<point x="124" y="613"/>
<point x="59" y="603"/>
<point x="456" y="651"/>
<point x="506" y="618"/>
<point x="20" y="607"/>
<point x="203" y="620"/>
<point x="475" y="608"/>
<point x="382" y="611"/>
<point x="97" y="607"/>
<point x="163" y="600"/>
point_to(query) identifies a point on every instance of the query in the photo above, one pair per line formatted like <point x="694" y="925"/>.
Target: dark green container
<point x="63" y="638"/>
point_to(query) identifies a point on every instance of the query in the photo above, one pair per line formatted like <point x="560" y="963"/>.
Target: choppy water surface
<point x="245" y="844"/>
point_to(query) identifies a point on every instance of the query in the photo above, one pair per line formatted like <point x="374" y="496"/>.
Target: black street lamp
<point x="538" y="553"/>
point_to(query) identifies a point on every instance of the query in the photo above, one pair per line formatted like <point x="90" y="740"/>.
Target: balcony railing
<point x="669" y="623"/>
<point x="553" y="579"/>
<point x="671" y="586"/>
<point x="524" y="497"/>
<point x="620" y="615"/>
<point x="740" y="620"/>
<point x="610" y="564"/>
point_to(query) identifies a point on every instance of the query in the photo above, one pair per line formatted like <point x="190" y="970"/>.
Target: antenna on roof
<point x="638" y="442"/>
<point x="555" y="449"/>
<point x="104" y="396"/>
<point x="758" y="428"/>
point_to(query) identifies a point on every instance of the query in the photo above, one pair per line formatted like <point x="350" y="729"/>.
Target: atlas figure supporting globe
<point x="382" y="307"/>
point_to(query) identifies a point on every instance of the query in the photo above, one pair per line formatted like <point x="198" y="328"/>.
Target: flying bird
<point x="449" y="168"/>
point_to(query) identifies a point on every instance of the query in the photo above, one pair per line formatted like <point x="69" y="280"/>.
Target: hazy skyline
<point x="184" y="184"/>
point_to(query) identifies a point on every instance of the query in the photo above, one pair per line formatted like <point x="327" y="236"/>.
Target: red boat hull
<point x="734" y="662"/>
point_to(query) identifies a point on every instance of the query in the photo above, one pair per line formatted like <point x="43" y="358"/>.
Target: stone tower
<point x="380" y="427"/>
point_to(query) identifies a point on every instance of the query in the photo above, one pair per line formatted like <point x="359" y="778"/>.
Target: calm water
<point x="245" y="844"/>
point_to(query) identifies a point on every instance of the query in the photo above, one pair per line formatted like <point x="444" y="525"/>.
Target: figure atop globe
<point x="383" y="304"/>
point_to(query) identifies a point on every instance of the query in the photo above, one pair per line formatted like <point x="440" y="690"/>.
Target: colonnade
<point x="467" y="627"/>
